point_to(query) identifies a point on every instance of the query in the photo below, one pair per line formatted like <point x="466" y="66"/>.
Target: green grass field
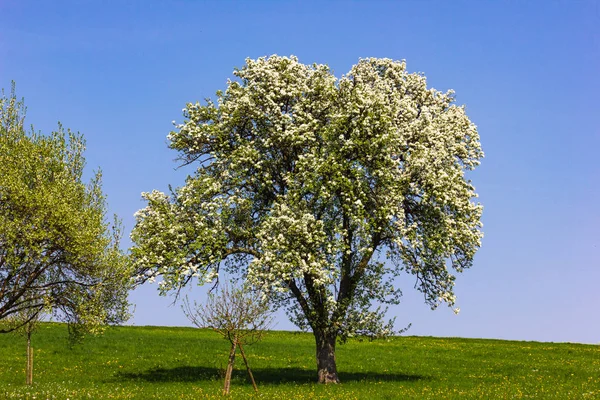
<point x="187" y="363"/>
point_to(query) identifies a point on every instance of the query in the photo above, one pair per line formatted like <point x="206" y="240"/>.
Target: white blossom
<point x="304" y="180"/>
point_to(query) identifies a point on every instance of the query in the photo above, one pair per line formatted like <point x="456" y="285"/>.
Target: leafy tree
<point x="324" y="190"/>
<point x="239" y="314"/>
<point x="57" y="252"/>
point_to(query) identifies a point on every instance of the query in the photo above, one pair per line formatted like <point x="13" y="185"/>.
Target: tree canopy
<point x="321" y="190"/>
<point x="58" y="254"/>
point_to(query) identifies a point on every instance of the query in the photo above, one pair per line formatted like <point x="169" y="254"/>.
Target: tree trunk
<point x="327" y="370"/>
<point x="227" y="385"/>
<point x="29" y="372"/>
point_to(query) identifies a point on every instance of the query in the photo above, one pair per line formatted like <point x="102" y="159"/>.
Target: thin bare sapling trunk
<point x="227" y="384"/>
<point x="240" y="315"/>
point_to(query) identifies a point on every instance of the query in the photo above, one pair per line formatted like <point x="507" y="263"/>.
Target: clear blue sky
<point x="120" y="72"/>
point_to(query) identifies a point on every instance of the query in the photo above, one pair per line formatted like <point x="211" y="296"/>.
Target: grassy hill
<point x="187" y="363"/>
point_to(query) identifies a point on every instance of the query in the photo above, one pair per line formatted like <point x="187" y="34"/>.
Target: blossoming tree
<point x="323" y="190"/>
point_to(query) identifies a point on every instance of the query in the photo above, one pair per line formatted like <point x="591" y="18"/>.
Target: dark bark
<point x="326" y="368"/>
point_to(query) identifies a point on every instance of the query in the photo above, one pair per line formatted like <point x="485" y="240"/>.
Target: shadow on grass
<point x="263" y="375"/>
